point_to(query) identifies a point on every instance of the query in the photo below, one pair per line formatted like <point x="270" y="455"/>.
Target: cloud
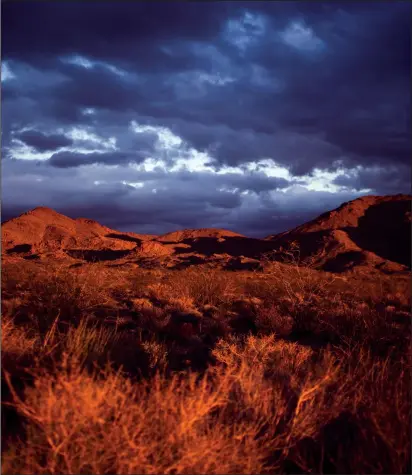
<point x="43" y="142"/>
<point x="301" y="37"/>
<point x="6" y="73"/>
<point x="177" y="97"/>
<point x="73" y="159"/>
<point x="318" y="104"/>
<point x="389" y="180"/>
<point x="251" y="203"/>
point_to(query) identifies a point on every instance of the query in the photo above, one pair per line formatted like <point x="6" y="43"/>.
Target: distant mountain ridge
<point x="371" y="232"/>
<point x="177" y="236"/>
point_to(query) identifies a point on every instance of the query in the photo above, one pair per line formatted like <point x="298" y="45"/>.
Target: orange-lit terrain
<point x="205" y="351"/>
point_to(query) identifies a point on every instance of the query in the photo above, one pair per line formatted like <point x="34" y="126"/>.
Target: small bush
<point x="157" y="353"/>
<point x="205" y="287"/>
<point x="272" y="320"/>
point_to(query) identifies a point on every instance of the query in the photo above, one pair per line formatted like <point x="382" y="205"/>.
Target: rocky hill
<point x="369" y="231"/>
<point x="44" y="231"/>
<point x="372" y="233"/>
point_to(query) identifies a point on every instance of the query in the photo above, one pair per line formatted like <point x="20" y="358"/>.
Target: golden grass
<point x="104" y="400"/>
<point x="16" y="342"/>
<point x="85" y="424"/>
<point x="249" y="414"/>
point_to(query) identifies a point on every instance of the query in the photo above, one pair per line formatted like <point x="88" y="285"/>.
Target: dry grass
<point x="203" y="286"/>
<point x="101" y="399"/>
<point x="252" y="413"/>
<point x="52" y="293"/>
<point x="15" y="342"/>
<point x="103" y="424"/>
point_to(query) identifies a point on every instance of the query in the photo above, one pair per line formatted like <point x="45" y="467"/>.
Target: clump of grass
<point x="257" y="411"/>
<point x="272" y="320"/>
<point x="204" y="286"/>
<point x="104" y="424"/>
<point x="267" y="352"/>
<point x="335" y="403"/>
<point x="49" y="293"/>
<point x="24" y="347"/>
<point x="157" y="352"/>
<point x="16" y="342"/>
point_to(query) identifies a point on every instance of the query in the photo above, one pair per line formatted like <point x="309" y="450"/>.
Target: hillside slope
<point x="178" y="236"/>
<point x="43" y="230"/>
<point x="369" y="231"/>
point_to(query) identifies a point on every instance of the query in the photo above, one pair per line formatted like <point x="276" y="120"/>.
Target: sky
<point x="250" y="116"/>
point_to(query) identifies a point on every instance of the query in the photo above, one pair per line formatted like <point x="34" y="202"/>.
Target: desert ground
<point x="203" y="351"/>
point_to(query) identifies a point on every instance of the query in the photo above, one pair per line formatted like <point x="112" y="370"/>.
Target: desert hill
<point x="177" y="236"/>
<point x="372" y="233"/>
<point x="43" y="230"/>
<point x="368" y="231"/>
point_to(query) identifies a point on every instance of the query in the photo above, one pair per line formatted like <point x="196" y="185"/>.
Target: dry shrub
<point x="296" y="277"/>
<point x="266" y="406"/>
<point x="151" y="318"/>
<point x="16" y="342"/>
<point x="49" y="293"/>
<point x="277" y="358"/>
<point x="182" y="304"/>
<point x="384" y="290"/>
<point x="103" y="424"/>
<point x="160" y="293"/>
<point x="271" y="320"/>
<point x="157" y="352"/>
<point x="251" y="414"/>
<point x="195" y="292"/>
<point x="352" y="323"/>
<point x="342" y="405"/>
<point x="142" y="304"/>
<point x="330" y="312"/>
<point x="204" y="286"/>
<point x="257" y="411"/>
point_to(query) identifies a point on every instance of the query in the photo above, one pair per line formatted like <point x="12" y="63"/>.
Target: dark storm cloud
<point x="229" y="183"/>
<point x="166" y="200"/>
<point x="234" y="147"/>
<point x="107" y="30"/>
<point x="99" y="88"/>
<point x="390" y="180"/>
<point x="74" y="159"/>
<point x="359" y="75"/>
<point x="43" y="142"/>
<point x="312" y="85"/>
<point x="203" y="202"/>
<point x="359" y="95"/>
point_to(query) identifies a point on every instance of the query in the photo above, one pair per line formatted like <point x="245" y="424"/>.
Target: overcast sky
<point x="251" y="116"/>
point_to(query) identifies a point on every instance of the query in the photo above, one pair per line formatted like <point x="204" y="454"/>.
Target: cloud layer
<point x="253" y="116"/>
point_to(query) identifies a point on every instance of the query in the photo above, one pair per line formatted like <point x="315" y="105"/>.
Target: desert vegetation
<point x="283" y="370"/>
